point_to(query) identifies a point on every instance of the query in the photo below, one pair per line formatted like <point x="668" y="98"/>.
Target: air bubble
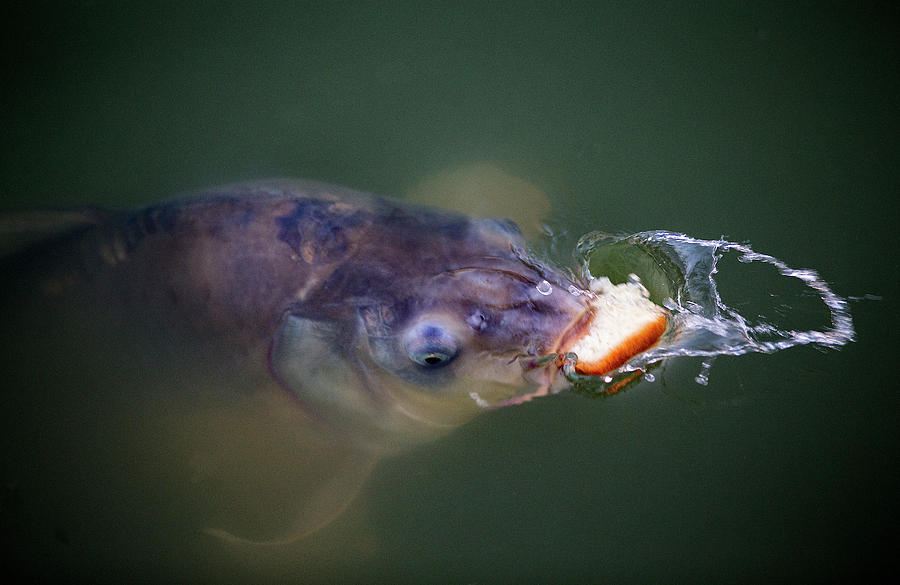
<point x="544" y="288"/>
<point x="479" y="400"/>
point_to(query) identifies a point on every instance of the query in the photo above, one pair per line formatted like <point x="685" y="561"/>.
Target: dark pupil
<point x="433" y="360"/>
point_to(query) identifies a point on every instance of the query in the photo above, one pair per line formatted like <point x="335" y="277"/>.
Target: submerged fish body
<point x="286" y="280"/>
<point x="233" y="362"/>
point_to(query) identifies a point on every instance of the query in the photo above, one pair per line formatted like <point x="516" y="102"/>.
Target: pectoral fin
<point x="312" y="472"/>
<point x="319" y="509"/>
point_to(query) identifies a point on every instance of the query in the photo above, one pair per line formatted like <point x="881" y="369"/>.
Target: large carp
<point x="223" y="369"/>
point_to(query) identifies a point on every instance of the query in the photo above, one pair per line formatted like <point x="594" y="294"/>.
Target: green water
<point x="764" y="123"/>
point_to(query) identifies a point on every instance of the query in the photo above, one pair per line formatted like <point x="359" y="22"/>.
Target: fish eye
<point x="430" y="345"/>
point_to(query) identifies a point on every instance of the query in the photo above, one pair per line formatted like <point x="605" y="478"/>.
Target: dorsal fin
<point x="20" y="229"/>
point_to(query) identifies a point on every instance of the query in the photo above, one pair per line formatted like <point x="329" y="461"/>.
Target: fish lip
<point x="577" y="327"/>
<point x="575" y="330"/>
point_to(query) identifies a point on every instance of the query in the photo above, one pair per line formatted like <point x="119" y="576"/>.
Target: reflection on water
<point x="682" y="273"/>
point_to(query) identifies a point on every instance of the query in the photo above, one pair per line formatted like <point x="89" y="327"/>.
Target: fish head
<point x="431" y="318"/>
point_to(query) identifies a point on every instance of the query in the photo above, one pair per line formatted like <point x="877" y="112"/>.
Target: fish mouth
<point x="575" y="330"/>
<point x="620" y="323"/>
<point x="548" y="372"/>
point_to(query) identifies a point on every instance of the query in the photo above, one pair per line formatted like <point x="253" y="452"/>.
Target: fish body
<point x="227" y="363"/>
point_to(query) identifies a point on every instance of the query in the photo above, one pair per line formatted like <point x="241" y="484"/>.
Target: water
<point x="683" y="273"/>
<point x="764" y="123"/>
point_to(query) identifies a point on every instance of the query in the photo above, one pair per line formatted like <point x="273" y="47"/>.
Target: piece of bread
<point x="625" y="322"/>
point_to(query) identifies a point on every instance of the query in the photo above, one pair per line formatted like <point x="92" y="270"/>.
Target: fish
<point x="224" y="369"/>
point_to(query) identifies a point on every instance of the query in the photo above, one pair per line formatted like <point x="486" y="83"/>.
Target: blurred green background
<point x="767" y="122"/>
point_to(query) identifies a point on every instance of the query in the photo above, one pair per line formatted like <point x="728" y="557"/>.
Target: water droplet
<point x="703" y="377"/>
<point x="544" y="288"/>
<point x="649" y="377"/>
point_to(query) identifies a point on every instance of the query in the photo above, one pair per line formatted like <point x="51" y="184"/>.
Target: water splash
<point x="682" y="274"/>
